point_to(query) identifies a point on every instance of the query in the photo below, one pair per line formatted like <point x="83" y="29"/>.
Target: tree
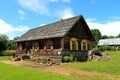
<point x="118" y="36"/>
<point x="104" y="37"/>
<point x="110" y="37"/>
<point x="3" y="41"/>
<point x="11" y="45"/>
<point x="97" y="35"/>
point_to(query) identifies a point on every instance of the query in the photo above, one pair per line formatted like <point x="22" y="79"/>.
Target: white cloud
<point x="65" y="13"/>
<point x="9" y="30"/>
<point x="108" y="28"/>
<point x="42" y="24"/>
<point x="43" y="7"/>
<point x="21" y="12"/>
<point x="21" y="28"/>
<point x="91" y="19"/>
<point x="39" y="6"/>
<point x="114" y="17"/>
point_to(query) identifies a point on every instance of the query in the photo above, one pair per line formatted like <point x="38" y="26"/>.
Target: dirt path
<point x="59" y="69"/>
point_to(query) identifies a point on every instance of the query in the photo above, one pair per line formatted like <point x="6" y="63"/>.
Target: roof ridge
<point x="54" y="29"/>
<point x="56" y="22"/>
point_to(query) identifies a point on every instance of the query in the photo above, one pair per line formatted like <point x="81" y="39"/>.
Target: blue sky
<point x="18" y="16"/>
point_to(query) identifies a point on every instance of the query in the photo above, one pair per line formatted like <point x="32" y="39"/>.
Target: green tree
<point x="11" y="45"/>
<point x="118" y="36"/>
<point x="3" y="42"/>
<point x="104" y="37"/>
<point x="110" y="37"/>
<point x="97" y="35"/>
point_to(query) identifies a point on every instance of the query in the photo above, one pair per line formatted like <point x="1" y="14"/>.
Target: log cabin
<point x="61" y="38"/>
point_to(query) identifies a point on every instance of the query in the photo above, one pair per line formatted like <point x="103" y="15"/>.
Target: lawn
<point x="9" y="72"/>
<point x="102" y="69"/>
<point x="110" y="67"/>
<point x="6" y="57"/>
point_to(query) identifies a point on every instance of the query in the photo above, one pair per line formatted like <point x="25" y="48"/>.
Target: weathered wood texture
<point x="68" y="36"/>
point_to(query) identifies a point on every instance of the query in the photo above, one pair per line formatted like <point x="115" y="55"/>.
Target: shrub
<point x="80" y="57"/>
<point x="7" y="53"/>
<point x="66" y="59"/>
<point x="32" y="53"/>
<point x="71" y="58"/>
<point x="108" y="48"/>
<point x="1" y="54"/>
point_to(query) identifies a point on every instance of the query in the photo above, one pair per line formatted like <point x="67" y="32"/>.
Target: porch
<point x="54" y="48"/>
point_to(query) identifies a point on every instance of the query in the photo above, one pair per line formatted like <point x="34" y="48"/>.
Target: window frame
<point x="49" y="45"/>
<point x="73" y="40"/>
<point x="84" y="44"/>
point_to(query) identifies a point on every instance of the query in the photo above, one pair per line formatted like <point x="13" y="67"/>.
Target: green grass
<point x="110" y="67"/>
<point x="9" y="72"/>
<point x="6" y="57"/>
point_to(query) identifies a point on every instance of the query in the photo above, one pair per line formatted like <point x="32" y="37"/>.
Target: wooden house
<point x="64" y="37"/>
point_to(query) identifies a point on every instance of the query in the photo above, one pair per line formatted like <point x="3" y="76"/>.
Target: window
<point x="41" y="44"/>
<point x="28" y="45"/>
<point x="35" y="46"/>
<point x="49" y="44"/>
<point x="84" y="45"/>
<point x="73" y="44"/>
<point x="57" y="43"/>
<point x="66" y="43"/>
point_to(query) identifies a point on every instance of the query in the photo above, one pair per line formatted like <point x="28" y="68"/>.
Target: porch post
<point x="62" y="43"/>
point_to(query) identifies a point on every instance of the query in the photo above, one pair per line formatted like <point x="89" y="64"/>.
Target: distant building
<point x="109" y="42"/>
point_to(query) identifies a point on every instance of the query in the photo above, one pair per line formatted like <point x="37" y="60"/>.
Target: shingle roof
<point x="56" y="29"/>
<point x="114" y="41"/>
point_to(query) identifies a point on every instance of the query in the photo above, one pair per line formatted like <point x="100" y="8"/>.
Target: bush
<point x="6" y="53"/>
<point x="1" y="54"/>
<point x="32" y="53"/>
<point x="66" y="59"/>
<point x="108" y="48"/>
<point x="80" y="57"/>
<point x="71" y="58"/>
